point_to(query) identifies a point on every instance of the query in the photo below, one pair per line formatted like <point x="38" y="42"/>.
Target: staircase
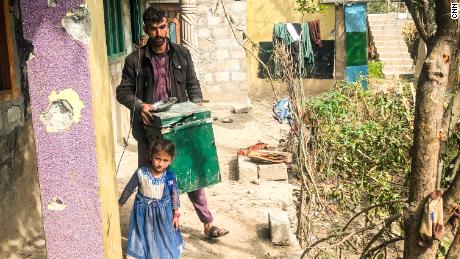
<point x="390" y="44"/>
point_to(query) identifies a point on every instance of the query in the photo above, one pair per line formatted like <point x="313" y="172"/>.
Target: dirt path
<point x="240" y="208"/>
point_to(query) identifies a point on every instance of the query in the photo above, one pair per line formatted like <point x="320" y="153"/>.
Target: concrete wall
<point x="69" y="93"/>
<point x="20" y="216"/>
<point x="222" y="62"/>
<point x="262" y="15"/>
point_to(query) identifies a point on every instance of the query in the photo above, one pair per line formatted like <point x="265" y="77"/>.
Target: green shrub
<point x="375" y="69"/>
<point x="362" y="142"/>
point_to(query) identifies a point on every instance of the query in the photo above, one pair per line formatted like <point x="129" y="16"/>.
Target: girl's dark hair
<point x="162" y="145"/>
<point x="153" y="14"/>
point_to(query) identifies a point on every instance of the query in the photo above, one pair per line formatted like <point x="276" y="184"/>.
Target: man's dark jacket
<point x="184" y="84"/>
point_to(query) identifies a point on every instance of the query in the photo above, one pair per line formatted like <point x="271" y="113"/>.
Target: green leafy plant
<point x="309" y="6"/>
<point x="375" y="69"/>
<point x="363" y="140"/>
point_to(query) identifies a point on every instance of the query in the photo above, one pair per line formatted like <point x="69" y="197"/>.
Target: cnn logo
<point x="454" y="11"/>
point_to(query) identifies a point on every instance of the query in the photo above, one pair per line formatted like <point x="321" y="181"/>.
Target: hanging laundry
<point x="308" y="58"/>
<point x="292" y="31"/>
<point x="315" y="32"/>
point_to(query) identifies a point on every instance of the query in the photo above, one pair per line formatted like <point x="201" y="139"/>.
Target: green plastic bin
<point x="189" y="127"/>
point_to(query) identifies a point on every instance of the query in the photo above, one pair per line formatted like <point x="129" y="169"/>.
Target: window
<point x="115" y="38"/>
<point x="8" y="88"/>
<point x="136" y="21"/>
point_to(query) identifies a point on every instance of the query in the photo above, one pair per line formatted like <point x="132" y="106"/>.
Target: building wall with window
<point x="20" y="214"/>
<point x="261" y="18"/>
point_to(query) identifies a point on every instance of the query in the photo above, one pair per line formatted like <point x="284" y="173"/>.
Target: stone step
<point x="386" y="32"/>
<point x="396" y="61"/>
<point x="394" y="54"/>
<point x="390" y="44"/>
<point x="388" y="38"/>
<point x="398" y="70"/>
<point x="396" y="48"/>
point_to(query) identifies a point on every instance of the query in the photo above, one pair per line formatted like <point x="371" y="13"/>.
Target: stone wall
<point x="221" y="60"/>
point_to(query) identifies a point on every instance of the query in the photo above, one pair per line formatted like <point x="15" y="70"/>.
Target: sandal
<point x="215" y="232"/>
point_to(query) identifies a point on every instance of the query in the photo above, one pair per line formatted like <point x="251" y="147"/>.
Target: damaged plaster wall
<point x="64" y="127"/>
<point x="20" y="216"/>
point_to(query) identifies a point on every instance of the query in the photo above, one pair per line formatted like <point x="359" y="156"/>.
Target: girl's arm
<point x="129" y="189"/>
<point x="175" y="201"/>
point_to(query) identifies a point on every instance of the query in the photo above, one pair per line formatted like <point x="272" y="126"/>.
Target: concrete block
<point x="221" y="54"/>
<point x="214" y="20"/>
<point x="14" y="115"/>
<point x="219" y="32"/>
<point x="272" y="172"/>
<point x="204" y="33"/>
<point x="278" y="224"/>
<point x="207" y="77"/>
<point x="238" y="54"/>
<point x="222" y="76"/>
<point x="232" y="64"/>
<point x="247" y="171"/>
<point x="238" y="76"/>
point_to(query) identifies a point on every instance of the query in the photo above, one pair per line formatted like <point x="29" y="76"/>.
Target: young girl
<point x="154" y="225"/>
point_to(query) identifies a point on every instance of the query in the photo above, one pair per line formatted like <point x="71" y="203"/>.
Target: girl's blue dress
<point x="151" y="231"/>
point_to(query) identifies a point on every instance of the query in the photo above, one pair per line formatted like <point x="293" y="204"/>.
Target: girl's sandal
<point x="215" y="232"/>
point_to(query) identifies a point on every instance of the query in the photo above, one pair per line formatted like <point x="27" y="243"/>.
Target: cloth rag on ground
<point x="282" y="111"/>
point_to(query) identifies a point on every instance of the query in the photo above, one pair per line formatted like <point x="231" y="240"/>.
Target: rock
<point x="247" y="171"/>
<point x="280" y="231"/>
<point x="39" y="243"/>
<point x="272" y="172"/>
<point x="227" y="120"/>
<point x="256" y="182"/>
<point x="240" y="109"/>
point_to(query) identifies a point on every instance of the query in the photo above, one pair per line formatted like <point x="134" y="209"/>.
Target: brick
<point x="279" y="226"/>
<point x="221" y="32"/>
<point x="207" y="77"/>
<point x="237" y="54"/>
<point x="204" y="33"/>
<point x="247" y="171"/>
<point x="214" y="20"/>
<point x="238" y="76"/>
<point x="222" y="76"/>
<point x="272" y="172"/>
<point x="232" y="64"/>
<point x="14" y="114"/>
<point x="238" y="7"/>
<point x="223" y="53"/>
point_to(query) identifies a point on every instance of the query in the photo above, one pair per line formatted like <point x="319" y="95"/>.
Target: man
<point x="155" y="72"/>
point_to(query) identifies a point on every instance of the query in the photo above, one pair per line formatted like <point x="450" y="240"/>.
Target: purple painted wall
<point x="66" y="160"/>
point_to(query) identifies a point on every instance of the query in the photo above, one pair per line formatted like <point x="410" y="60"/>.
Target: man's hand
<point x="145" y="114"/>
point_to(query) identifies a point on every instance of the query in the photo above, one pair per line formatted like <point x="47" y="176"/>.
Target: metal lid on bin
<point x="179" y="111"/>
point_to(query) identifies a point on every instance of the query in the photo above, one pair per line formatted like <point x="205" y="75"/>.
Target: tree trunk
<point x="431" y="88"/>
<point x="454" y="250"/>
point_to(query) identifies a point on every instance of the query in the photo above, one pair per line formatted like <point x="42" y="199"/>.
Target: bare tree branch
<point x="369" y="208"/>
<point x="377" y="236"/>
<point x="414" y="9"/>
<point x="451" y="197"/>
<point x="349" y="234"/>
<point x="384" y="244"/>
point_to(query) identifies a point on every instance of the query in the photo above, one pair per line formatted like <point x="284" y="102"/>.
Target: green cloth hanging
<point x="306" y="49"/>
